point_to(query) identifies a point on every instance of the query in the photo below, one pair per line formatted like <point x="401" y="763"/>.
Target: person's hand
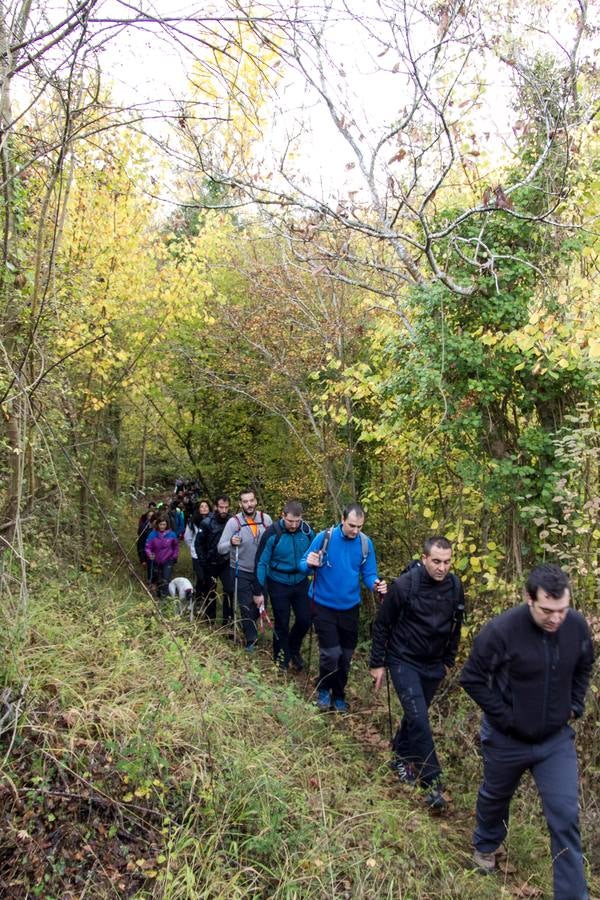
<point x="259" y="600"/>
<point x="236" y="540"/>
<point x="378" y="675"/>
<point x="381" y="587"/>
<point x="314" y="558"/>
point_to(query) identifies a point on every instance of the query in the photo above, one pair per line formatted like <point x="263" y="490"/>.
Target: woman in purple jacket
<point x="162" y="548"/>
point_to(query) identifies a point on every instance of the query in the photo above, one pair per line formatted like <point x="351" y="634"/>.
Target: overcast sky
<point x="148" y="65"/>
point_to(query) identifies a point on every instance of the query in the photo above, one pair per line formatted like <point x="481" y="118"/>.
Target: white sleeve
<point x="188" y="536"/>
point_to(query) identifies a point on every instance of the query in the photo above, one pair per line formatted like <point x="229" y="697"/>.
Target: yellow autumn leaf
<point x="594" y="348"/>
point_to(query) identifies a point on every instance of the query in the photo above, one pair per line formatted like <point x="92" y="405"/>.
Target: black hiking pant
<point x="413" y="741"/>
<point x="208" y="592"/>
<point x="246" y="588"/>
<point x="337" y="633"/>
<point x="284" y="599"/>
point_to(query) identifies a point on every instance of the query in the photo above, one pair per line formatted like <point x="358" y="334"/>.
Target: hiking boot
<point x="435" y="798"/>
<point x="340" y="705"/>
<point x="297" y="662"/>
<point x="250" y="646"/>
<point x="323" y="699"/>
<point x="486" y="862"/>
<point x="405" y="771"/>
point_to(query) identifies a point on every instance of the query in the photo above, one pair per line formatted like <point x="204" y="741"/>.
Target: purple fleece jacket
<point x="165" y="547"/>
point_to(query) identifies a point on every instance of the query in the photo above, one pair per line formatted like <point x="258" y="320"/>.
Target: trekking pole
<point x="377" y="601"/>
<point x="235" y="593"/>
<point x="310" y="643"/>
<point x="311" y="602"/>
<point x="389" y="706"/>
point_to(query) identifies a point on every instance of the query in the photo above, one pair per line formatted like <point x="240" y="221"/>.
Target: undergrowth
<point x="152" y="759"/>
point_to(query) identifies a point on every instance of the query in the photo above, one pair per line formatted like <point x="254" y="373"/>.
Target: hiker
<point x="281" y="548"/>
<point x="416" y="635"/>
<point x="191" y="536"/>
<point x="144" y="527"/>
<point x="203" y="508"/>
<point x="338" y="558"/>
<point x="240" y="538"/>
<point x="213" y="565"/>
<point x="162" y="547"/>
<point x="183" y="590"/>
<point x="177" y="518"/>
<point x="529" y="670"/>
<point x="188" y="507"/>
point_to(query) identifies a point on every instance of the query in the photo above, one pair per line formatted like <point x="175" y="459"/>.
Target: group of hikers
<point x="528" y="670"/>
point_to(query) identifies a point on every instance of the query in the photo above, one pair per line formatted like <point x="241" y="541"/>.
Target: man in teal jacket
<point x="281" y="548"/>
<point x="339" y="558"/>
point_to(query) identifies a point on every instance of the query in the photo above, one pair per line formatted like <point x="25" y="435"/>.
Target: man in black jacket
<point x="416" y="635"/>
<point x="212" y="564"/>
<point x="529" y="670"/>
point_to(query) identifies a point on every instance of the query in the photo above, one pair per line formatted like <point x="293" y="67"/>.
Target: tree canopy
<point x="329" y="272"/>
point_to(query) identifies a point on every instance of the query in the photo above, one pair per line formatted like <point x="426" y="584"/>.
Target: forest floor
<point x="152" y="758"/>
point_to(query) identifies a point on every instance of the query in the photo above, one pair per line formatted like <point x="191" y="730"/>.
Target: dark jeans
<point x="246" y="585"/>
<point x="413" y="740"/>
<point x="337" y="633"/>
<point x="163" y="572"/>
<point x="553" y="764"/>
<point x="284" y="599"/>
<point x="208" y="590"/>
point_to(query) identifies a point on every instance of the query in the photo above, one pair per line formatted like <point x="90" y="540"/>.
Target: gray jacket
<point x="247" y="549"/>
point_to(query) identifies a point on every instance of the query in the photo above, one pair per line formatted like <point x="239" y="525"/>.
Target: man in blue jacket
<point x="339" y="558"/>
<point x="281" y="548"/>
<point x="529" y="670"/>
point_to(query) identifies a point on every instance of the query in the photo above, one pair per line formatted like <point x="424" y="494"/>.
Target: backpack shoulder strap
<point x="326" y="540"/>
<point x="415" y="579"/>
<point x="277" y="530"/>
<point x="364" y="547"/>
<point x="459" y="605"/>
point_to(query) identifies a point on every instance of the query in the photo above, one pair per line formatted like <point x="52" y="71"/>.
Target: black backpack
<point x="414" y="568"/>
<point x="276" y="526"/>
<point x="276" y="529"/>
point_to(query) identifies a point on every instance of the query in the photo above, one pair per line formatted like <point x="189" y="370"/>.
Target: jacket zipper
<point x="547" y="666"/>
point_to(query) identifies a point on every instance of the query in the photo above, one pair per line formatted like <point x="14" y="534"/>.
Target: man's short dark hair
<point x="436" y="541"/>
<point x="223" y="498"/>
<point x="151" y="504"/>
<point x="247" y="491"/>
<point x="355" y="508"/>
<point x="293" y="508"/>
<point x="550" y="578"/>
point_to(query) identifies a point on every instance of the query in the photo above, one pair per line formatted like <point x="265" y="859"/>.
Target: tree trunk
<point x="113" y="427"/>
<point x="141" y="479"/>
